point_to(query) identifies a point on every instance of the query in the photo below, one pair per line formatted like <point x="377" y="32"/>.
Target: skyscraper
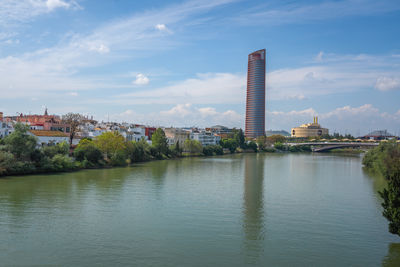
<point x="255" y="98"/>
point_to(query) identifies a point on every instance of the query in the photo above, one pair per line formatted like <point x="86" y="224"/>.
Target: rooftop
<point x="48" y="133"/>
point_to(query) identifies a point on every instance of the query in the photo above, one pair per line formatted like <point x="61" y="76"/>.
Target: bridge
<point x="326" y="146"/>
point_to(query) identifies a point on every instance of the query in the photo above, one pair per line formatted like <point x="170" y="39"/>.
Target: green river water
<point x="239" y="210"/>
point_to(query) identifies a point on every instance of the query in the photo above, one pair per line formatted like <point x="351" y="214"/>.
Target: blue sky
<point x="183" y="63"/>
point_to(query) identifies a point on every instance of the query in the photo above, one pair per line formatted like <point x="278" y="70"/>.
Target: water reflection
<point x="393" y="256"/>
<point x="253" y="207"/>
<point x="19" y="196"/>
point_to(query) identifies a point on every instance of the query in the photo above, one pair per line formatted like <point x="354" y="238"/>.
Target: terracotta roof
<point x="49" y="133"/>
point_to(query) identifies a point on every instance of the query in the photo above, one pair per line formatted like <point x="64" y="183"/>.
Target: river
<point x="235" y="210"/>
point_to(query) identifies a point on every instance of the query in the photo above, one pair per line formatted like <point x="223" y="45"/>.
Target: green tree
<point x="176" y="150"/>
<point x="276" y="138"/>
<point x="87" y="150"/>
<point x="52" y="150"/>
<point x="110" y="143"/>
<point x="139" y="151"/>
<point x="160" y="143"/>
<point x="239" y="137"/>
<point x="280" y="146"/>
<point x="20" y="143"/>
<point x="230" y="144"/>
<point x="385" y="160"/>
<point x="192" y="146"/>
<point x="252" y="145"/>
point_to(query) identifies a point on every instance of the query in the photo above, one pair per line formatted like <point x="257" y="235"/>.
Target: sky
<point x="184" y="63"/>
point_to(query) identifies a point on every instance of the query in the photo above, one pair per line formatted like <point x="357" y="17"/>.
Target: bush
<point x="280" y="146"/>
<point x="52" y="150"/>
<point x="87" y="150"/>
<point x="62" y="163"/>
<point x="193" y="146"/>
<point x="139" y="151"/>
<point x="118" y="159"/>
<point x="252" y="145"/>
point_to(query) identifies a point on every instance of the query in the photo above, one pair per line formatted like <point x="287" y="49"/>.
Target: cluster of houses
<point x="50" y="129"/>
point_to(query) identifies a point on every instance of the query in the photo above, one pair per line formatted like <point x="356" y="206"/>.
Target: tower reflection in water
<point x="253" y="208"/>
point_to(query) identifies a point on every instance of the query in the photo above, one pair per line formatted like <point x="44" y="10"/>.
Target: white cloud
<point x="100" y="48"/>
<point x="52" y="4"/>
<point x="58" y="67"/>
<point x="319" y="56"/>
<point x="298" y="12"/>
<point x="73" y="94"/>
<point x="161" y="27"/>
<point x="20" y="11"/>
<point x="141" y="79"/>
<point x="183" y="115"/>
<point x="387" y="83"/>
<point x="205" y="88"/>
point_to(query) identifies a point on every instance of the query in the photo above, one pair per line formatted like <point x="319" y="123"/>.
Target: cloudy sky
<point x="183" y="63"/>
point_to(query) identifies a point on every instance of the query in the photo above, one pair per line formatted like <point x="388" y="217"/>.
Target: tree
<point x="74" y="120"/>
<point x="230" y="144"/>
<point x="139" y="151"/>
<point x="110" y="143"/>
<point x="20" y="143"/>
<point x="276" y="138"/>
<point x="239" y="137"/>
<point x="192" y="146"/>
<point x="261" y="142"/>
<point x="385" y="160"/>
<point x="87" y="150"/>
<point x="176" y="150"/>
<point x="160" y="143"/>
<point x="252" y="145"/>
<point x="60" y="148"/>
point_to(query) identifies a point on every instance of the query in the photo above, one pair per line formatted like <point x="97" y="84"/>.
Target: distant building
<point x="49" y="137"/>
<point x="175" y="135"/>
<point x="5" y="129"/>
<point x="255" y="97"/>
<point x="221" y="131"/>
<point x="149" y="132"/>
<point x="379" y="135"/>
<point x="205" y="138"/>
<point x="44" y="122"/>
<point x="309" y="130"/>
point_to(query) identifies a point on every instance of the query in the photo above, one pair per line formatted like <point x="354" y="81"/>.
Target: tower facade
<point x="255" y="97"/>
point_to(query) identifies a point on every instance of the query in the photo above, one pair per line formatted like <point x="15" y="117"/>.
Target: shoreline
<point x="175" y="158"/>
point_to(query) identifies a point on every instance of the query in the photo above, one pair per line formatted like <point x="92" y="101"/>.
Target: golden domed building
<point x="309" y="130"/>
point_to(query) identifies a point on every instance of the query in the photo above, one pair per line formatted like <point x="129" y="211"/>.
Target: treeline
<point x="19" y="153"/>
<point x="385" y="160"/>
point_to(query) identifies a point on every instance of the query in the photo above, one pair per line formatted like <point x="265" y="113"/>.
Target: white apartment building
<point x="205" y="138"/>
<point x="5" y="129"/>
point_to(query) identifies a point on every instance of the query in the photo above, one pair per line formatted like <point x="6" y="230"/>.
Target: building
<point x="5" y="129"/>
<point x="175" y="135"/>
<point x="222" y="131"/>
<point x="46" y="122"/>
<point x="205" y="138"/>
<point x="49" y="137"/>
<point x="149" y="132"/>
<point x="309" y="130"/>
<point x="255" y="97"/>
<point x="379" y="135"/>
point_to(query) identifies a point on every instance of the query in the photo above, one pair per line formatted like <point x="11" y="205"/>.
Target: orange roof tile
<point x="49" y="133"/>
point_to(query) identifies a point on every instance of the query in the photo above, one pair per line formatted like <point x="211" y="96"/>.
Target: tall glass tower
<point x="255" y="98"/>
